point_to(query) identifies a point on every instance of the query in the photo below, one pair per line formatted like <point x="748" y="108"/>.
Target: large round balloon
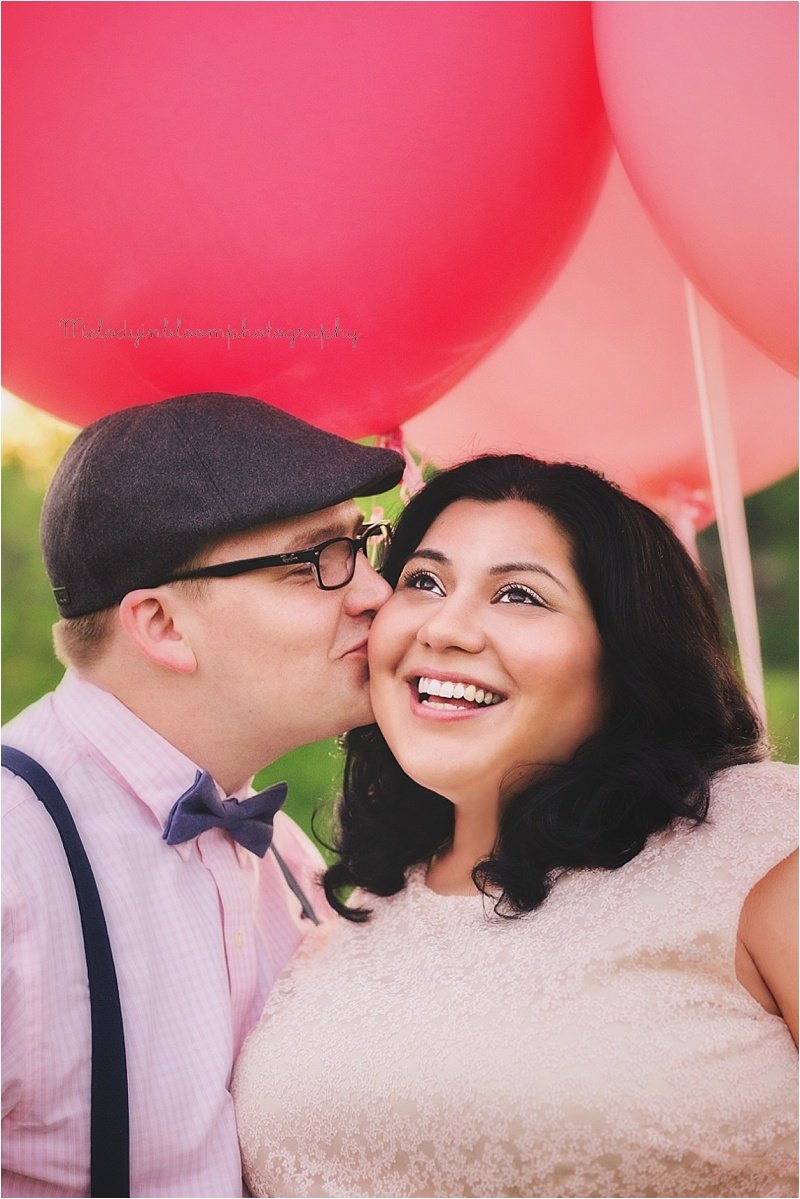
<point x="602" y="372"/>
<point x="702" y="101"/>
<point x="336" y="207"/>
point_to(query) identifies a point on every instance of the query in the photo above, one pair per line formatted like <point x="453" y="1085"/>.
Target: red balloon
<point x="338" y="208"/>
<point x="602" y="373"/>
<point x="702" y="100"/>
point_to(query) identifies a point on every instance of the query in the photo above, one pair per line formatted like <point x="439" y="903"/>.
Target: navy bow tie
<point x="249" y="822"/>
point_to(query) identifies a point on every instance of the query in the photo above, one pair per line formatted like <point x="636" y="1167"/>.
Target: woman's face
<point x="486" y="661"/>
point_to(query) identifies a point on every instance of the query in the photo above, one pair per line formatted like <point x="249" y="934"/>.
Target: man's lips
<point x="360" y="648"/>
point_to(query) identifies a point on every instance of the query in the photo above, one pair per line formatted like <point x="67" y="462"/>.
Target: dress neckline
<point x="435" y="904"/>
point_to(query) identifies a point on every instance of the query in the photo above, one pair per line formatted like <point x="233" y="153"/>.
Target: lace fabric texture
<point x="600" y="1045"/>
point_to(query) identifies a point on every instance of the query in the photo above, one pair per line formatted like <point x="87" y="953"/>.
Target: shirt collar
<point x="145" y="763"/>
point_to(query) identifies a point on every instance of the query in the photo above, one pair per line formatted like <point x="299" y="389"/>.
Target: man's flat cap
<point x="141" y="491"/>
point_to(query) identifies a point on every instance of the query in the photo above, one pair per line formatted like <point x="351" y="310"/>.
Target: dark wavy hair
<point x="676" y="710"/>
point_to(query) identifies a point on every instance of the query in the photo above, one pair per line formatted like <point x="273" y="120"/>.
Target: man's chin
<point x="360" y="715"/>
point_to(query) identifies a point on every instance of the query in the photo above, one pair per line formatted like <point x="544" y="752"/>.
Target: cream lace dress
<point x="600" y="1045"/>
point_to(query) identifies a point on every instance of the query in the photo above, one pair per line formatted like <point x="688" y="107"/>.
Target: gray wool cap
<point x="142" y="490"/>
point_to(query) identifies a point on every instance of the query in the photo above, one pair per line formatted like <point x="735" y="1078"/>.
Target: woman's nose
<point x="452" y="624"/>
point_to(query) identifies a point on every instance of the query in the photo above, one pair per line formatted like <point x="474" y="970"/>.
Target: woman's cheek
<point x="389" y="637"/>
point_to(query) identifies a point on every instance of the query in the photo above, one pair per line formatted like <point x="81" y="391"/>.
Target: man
<point x="176" y="688"/>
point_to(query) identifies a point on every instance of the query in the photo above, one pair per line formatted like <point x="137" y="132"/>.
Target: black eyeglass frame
<point x="227" y="570"/>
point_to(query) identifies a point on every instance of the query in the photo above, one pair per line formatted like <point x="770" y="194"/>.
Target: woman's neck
<point x="474" y="836"/>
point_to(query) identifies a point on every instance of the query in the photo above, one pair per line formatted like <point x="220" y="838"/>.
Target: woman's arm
<point x="767" y="949"/>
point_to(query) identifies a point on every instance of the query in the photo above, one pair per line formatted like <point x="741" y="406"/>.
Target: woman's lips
<point x="453" y="710"/>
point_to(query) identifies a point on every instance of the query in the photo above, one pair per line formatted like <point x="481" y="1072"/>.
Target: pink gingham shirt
<point x="199" y="933"/>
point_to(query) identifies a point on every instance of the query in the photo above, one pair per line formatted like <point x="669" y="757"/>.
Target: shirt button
<point x="238" y="938"/>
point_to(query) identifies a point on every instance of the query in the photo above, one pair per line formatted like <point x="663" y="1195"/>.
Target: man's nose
<point x="367" y="591"/>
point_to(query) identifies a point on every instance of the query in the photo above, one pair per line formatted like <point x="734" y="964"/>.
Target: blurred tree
<point x="772" y="522"/>
<point x="29" y="610"/>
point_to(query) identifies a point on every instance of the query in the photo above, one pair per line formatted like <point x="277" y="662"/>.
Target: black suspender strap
<point x="110" y="1143"/>
<point x="295" y="887"/>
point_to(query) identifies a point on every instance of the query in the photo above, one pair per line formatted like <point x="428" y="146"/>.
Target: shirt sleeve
<point x="19" y="992"/>
<point x="15" y="1030"/>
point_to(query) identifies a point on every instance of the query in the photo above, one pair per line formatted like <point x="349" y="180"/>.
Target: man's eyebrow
<point x="503" y="568"/>
<point x="319" y="533"/>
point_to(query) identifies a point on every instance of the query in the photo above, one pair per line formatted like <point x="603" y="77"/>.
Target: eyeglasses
<point x="333" y="562"/>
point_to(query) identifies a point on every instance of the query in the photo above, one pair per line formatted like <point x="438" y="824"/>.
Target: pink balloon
<point x="602" y="373"/>
<point x="702" y="100"/>
<point x="415" y="172"/>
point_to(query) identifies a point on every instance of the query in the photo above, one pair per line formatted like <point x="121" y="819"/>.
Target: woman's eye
<point x="420" y="580"/>
<point x="515" y="593"/>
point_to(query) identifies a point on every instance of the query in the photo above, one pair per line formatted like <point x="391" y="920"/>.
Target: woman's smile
<point x="445" y="699"/>
<point x="440" y="696"/>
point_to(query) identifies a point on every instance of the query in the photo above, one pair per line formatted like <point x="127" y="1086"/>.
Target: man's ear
<point x="152" y="619"/>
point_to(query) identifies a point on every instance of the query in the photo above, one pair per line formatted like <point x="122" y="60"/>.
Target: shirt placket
<point x="221" y="857"/>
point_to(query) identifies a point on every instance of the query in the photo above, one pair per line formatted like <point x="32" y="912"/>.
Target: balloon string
<point x="726" y="488"/>
<point x="412" y="480"/>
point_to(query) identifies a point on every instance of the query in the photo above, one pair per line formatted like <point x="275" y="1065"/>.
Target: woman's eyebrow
<point x="432" y="555"/>
<point x="503" y="568"/>
<point x="508" y="568"/>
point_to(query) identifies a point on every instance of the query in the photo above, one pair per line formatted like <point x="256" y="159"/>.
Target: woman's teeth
<point x="447" y="690"/>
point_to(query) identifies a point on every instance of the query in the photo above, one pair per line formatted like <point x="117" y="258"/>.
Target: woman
<point x="567" y="969"/>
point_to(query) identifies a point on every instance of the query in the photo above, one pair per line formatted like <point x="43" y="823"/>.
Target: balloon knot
<point x="412" y="480"/>
<point x="688" y="509"/>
